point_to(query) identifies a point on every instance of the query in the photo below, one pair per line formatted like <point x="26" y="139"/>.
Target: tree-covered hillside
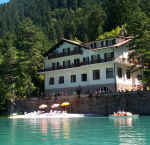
<point x="57" y="18"/>
<point x="28" y="28"/>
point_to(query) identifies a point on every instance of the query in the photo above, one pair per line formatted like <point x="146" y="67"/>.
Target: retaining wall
<point x="102" y="104"/>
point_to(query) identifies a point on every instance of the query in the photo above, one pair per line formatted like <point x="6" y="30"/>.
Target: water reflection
<point x="44" y="127"/>
<point x="123" y="121"/>
<point x="60" y="127"/>
<point x="66" y="128"/>
<point x="127" y="132"/>
<point x="55" y="126"/>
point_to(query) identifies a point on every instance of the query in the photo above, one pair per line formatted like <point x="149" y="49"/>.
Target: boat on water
<point x="132" y="116"/>
<point x="123" y="114"/>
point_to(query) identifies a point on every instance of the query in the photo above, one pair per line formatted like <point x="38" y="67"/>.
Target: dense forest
<point x="28" y="28"/>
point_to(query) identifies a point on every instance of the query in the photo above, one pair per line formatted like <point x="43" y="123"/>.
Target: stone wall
<point x="102" y="104"/>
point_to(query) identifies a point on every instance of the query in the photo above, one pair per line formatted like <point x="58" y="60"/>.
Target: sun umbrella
<point x="55" y="106"/>
<point x="65" y="104"/>
<point x="139" y="86"/>
<point x="43" y="106"/>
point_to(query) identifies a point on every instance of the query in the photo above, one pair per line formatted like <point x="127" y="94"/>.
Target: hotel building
<point x="103" y="65"/>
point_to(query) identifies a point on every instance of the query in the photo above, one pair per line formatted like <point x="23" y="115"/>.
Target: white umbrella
<point x="43" y="106"/>
<point x="55" y="106"/>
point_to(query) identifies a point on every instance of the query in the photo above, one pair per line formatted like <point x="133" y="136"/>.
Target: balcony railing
<point x="78" y="64"/>
<point x="63" y="54"/>
<point x="127" y="61"/>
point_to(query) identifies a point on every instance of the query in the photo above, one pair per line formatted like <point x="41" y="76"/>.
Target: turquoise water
<point x="75" y="131"/>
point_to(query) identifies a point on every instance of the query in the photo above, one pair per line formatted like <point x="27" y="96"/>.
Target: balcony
<point x="63" y="54"/>
<point x="128" y="62"/>
<point x="95" y="61"/>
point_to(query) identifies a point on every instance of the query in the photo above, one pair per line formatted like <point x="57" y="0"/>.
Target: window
<point x="139" y="77"/>
<point x="61" y="80"/>
<point x="119" y="71"/>
<point x="128" y="74"/>
<point x="73" y="78"/>
<point x="87" y="60"/>
<point x="102" y="44"/>
<point x="106" y="42"/>
<point x="84" y="60"/>
<point x="112" y="55"/>
<point x="77" y="61"/>
<point x="69" y="63"/>
<point x="98" y="57"/>
<point x="64" y="63"/>
<point x="96" y="74"/>
<point x="91" y="45"/>
<point x="84" y="77"/>
<point x="65" y="51"/>
<point x="114" y="41"/>
<point x="109" y="56"/>
<point x="109" y="73"/>
<point x="51" y="81"/>
<point x="105" y="56"/>
<point x="95" y="45"/>
<point x="68" y="49"/>
<point x="57" y="64"/>
<point x="78" y="49"/>
<point x="92" y="58"/>
<point x="53" y="65"/>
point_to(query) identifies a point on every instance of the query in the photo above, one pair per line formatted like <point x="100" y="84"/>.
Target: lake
<point x="75" y="131"/>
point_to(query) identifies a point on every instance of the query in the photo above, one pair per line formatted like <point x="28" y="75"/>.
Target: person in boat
<point x="129" y="114"/>
<point x="115" y="114"/>
<point x="122" y="113"/>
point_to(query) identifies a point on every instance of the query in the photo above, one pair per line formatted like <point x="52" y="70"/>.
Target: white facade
<point x="92" y="66"/>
